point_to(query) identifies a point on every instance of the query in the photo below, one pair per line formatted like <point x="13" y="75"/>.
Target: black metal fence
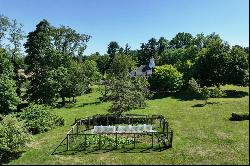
<point x="79" y="136"/>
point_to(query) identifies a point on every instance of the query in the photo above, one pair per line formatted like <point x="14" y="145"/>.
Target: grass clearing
<point x="202" y="135"/>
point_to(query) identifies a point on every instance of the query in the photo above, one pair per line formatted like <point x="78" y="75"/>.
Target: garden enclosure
<point x="127" y="131"/>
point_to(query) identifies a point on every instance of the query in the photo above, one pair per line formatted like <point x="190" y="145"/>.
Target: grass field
<point x="202" y="135"/>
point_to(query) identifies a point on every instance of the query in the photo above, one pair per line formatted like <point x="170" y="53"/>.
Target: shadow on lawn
<point x="202" y="105"/>
<point x="100" y="151"/>
<point x="182" y="96"/>
<point x="61" y="150"/>
<point x="185" y="96"/>
<point x="5" y="158"/>
<point x="73" y="104"/>
<point x="91" y="103"/>
<point x="235" y="94"/>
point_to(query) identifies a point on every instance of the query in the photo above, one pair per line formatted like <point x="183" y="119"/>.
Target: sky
<point x="135" y="21"/>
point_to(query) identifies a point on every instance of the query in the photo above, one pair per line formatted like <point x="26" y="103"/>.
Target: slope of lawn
<point x="202" y="135"/>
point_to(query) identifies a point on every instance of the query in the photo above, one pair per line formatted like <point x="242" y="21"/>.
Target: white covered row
<point x="123" y="129"/>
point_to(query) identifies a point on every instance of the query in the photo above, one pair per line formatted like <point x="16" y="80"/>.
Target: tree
<point x="187" y="69"/>
<point x="166" y="78"/>
<point x="6" y="66"/>
<point x="9" y="99"/>
<point x="199" y="41"/>
<point x="113" y="48"/>
<point x="68" y="41"/>
<point x="126" y="93"/>
<point x="147" y="51"/>
<point x="38" y="45"/>
<point x="163" y="44"/>
<point x="143" y="55"/>
<point x="127" y="49"/>
<point x="8" y="96"/>
<point x="4" y="24"/>
<point x="56" y="84"/>
<point x="76" y="81"/>
<point x="238" y="67"/>
<point x="103" y="63"/>
<point x="80" y="77"/>
<point x="172" y="56"/>
<point x="181" y="40"/>
<point x="211" y="66"/>
<point x="12" y="31"/>
<point x="152" y="48"/>
<point x="121" y="65"/>
<point x="50" y="53"/>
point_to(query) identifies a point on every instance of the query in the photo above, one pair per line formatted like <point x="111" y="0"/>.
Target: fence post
<point x="171" y="137"/>
<point x="152" y="140"/>
<point x="167" y="129"/>
<point x="88" y="123"/>
<point x="67" y="142"/>
<point x="72" y="136"/>
<point x="163" y="127"/>
<point x="116" y="140"/>
<point x="99" y="141"/>
<point x="85" y="141"/>
<point x="134" y="140"/>
<point x="77" y="125"/>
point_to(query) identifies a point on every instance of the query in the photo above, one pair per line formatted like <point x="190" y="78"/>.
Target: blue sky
<point x="135" y="21"/>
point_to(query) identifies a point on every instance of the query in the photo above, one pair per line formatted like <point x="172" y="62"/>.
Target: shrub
<point x="13" y="136"/>
<point x="205" y="94"/>
<point x="166" y="78"/>
<point x="217" y="92"/>
<point x="194" y="87"/>
<point x="8" y="96"/>
<point x="39" y="118"/>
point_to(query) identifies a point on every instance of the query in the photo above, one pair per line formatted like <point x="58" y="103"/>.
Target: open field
<point x="202" y="135"/>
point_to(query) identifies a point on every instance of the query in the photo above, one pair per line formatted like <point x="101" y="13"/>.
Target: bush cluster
<point x="39" y="118"/>
<point x="166" y="78"/>
<point x="204" y="92"/>
<point x="13" y="136"/>
<point x="217" y="92"/>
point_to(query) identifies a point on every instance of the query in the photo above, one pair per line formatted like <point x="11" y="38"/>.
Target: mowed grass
<point x="202" y="135"/>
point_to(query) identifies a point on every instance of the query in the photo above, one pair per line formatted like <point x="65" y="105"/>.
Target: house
<point x="143" y="70"/>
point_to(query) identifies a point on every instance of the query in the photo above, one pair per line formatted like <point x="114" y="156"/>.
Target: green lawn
<point x="202" y="135"/>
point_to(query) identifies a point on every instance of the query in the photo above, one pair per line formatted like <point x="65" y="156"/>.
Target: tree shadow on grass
<point x="5" y="157"/>
<point x="186" y="96"/>
<point x="73" y="104"/>
<point x="239" y="116"/>
<point x="203" y="104"/>
<point x="235" y="94"/>
<point x="91" y="103"/>
<point x="181" y="96"/>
